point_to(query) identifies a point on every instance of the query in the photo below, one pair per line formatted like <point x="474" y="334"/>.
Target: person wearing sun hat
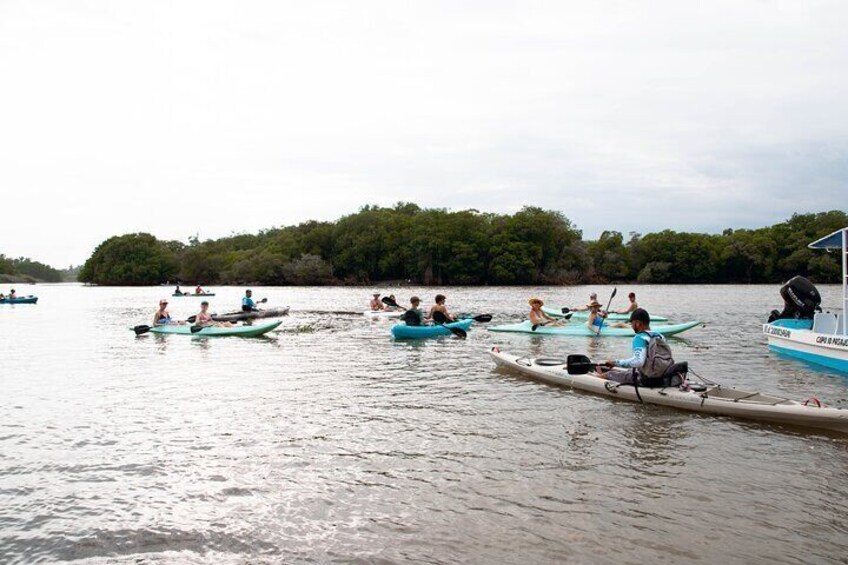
<point x="597" y="318"/>
<point x="162" y="316"/>
<point x="538" y="316"/>
<point x="376" y="305"/>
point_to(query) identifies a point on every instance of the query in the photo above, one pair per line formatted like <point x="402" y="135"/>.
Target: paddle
<point x="440" y="320"/>
<point x="389" y="302"/>
<point x="481" y="318"/>
<point x="614" y="291"/>
<point x="566" y="310"/>
<point x="578" y="365"/>
<point x="566" y="317"/>
<point x="143" y="329"/>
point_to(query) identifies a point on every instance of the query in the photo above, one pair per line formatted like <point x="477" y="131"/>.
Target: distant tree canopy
<point x="29" y="269"/>
<point x="440" y="247"/>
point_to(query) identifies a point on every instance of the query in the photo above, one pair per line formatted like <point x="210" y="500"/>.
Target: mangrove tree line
<point x="441" y="247"/>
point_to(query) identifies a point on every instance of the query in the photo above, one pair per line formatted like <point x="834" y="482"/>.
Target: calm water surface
<point x="328" y="441"/>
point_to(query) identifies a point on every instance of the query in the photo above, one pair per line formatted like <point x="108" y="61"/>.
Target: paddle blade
<point x="566" y="310"/>
<point x="191" y="319"/>
<point x="533" y="327"/>
<point x="141" y="329"/>
<point x="578" y="364"/>
<point x="482" y="318"/>
<point x="263" y="301"/>
<point x="439" y="317"/>
<point x="568" y="316"/>
<point x="458" y="332"/>
<point x="195" y="329"/>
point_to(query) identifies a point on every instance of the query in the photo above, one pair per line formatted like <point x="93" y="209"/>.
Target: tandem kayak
<point x="20" y="300"/>
<point x="581" y="329"/>
<point x="382" y="314"/>
<point x="214" y="331"/>
<point x="258" y="315"/>
<point x="584" y="315"/>
<point x="714" y="399"/>
<point x="188" y="295"/>
<point x="402" y="331"/>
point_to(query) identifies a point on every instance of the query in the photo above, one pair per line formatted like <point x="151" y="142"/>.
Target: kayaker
<point x="247" y="303"/>
<point x="162" y="317"/>
<point x="633" y="305"/>
<point x="376" y="305"/>
<point x="177" y="291"/>
<point x="651" y="355"/>
<point x="199" y="290"/>
<point x="538" y="316"/>
<point x="204" y="318"/>
<point x="414" y="316"/>
<point x="2" y="296"/>
<point x="597" y="319"/>
<point x="593" y="297"/>
<point x="439" y="306"/>
<point x="389" y="307"/>
<point x="12" y="294"/>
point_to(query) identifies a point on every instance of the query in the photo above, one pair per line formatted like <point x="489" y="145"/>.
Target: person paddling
<point x="538" y="317"/>
<point x="199" y="290"/>
<point x="632" y="307"/>
<point x="177" y="291"/>
<point x="162" y="317"/>
<point x="247" y="303"/>
<point x="597" y="319"/>
<point x="414" y="316"/>
<point x="651" y="356"/>
<point x="204" y="318"/>
<point x="376" y="305"/>
<point x="12" y="294"/>
<point x="439" y="306"/>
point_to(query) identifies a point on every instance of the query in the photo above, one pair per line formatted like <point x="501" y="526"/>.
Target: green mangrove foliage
<point x="25" y="269"/>
<point x="441" y="247"/>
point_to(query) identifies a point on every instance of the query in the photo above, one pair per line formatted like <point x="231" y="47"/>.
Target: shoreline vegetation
<point x="439" y="247"/>
<point x="26" y="271"/>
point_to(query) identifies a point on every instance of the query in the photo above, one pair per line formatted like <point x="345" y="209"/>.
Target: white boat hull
<point x="715" y="400"/>
<point x="828" y="350"/>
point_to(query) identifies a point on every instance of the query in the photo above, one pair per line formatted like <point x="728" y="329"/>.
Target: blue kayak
<point x="402" y="331"/>
<point x="20" y="300"/>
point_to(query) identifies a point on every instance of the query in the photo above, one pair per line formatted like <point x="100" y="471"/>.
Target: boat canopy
<point x="832" y="241"/>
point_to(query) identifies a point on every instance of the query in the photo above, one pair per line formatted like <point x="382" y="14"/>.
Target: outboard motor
<point x="801" y="300"/>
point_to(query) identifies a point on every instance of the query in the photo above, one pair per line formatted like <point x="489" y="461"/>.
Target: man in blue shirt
<point x="247" y="303"/>
<point x="640" y="321"/>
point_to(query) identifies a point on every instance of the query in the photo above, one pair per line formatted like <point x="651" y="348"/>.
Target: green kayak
<point x="584" y="315"/>
<point x="581" y="329"/>
<point x="216" y="331"/>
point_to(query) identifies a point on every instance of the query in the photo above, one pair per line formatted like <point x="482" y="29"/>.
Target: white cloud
<point x="212" y="117"/>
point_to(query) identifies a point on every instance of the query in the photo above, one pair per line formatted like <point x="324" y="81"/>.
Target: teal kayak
<point x="20" y="300"/>
<point x="584" y="315"/>
<point x="216" y="331"/>
<point x="187" y="295"/>
<point x="402" y="331"/>
<point x="581" y="329"/>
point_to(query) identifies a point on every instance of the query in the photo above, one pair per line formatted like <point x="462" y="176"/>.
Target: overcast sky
<point x="212" y="117"/>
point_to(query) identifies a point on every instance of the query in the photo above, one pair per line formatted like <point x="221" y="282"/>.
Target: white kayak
<point x="583" y="329"/>
<point x="715" y="399"/>
<point x="382" y="314"/>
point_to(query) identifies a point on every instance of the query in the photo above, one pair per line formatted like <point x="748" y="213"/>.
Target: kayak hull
<point x="241" y="316"/>
<point x="582" y="330"/>
<point x="612" y="317"/>
<point x="402" y="331"/>
<point x="213" y="331"/>
<point x="193" y="295"/>
<point x="20" y="300"/>
<point x="382" y="314"/>
<point x="716" y="400"/>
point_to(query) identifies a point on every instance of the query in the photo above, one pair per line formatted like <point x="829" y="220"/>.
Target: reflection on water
<point x="328" y="441"/>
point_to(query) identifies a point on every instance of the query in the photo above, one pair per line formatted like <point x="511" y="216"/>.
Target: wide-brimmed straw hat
<point x="594" y="303"/>
<point x="534" y="300"/>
